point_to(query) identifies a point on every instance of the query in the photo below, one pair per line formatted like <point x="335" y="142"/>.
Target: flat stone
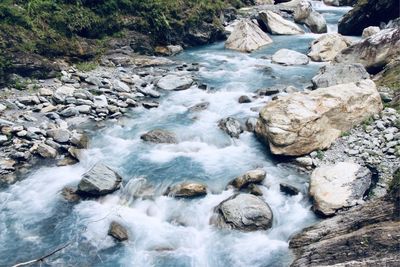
<point x="174" y="82"/>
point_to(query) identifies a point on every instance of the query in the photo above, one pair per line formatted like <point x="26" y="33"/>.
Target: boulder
<point x="120" y="86"/>
<point x="368" y="13"/>
<point x="99" y="180"/>
<point x="302" y="122"/>
<point x="100" y="101"/>
<point x="244" y="212"/>
<point x="374" y="52"/>
<point x="247" y="37"/>
<point x="333" y="74"/>
<point x="187" y="190"/>
<point x="63" y="92"/>
<point x="59" y="135"/>
<point x="118" y="232"/>
<point x="305" y="14"/>
<point x="231" y="126"/>
<point x="334" y="187"/>
<point x="288" y="57"/>
<point x="168" y="50"/>
<point x="175" y="82"/>
<point x="159" y="136"/>
<point x="369" y="31"/>
<point x="250" y="177"/>
<point x="275" y="24"/>
<point x="244" y="99"/>
<point x="288" y="189"/>
<point x="327" y="46"/>
<point x="46" y="151"/>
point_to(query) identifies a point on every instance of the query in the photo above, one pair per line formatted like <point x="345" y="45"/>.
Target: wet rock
<point x="149" y="91"/>
<point x="175" y="82"/>
<point x="334" y="187"/>
<point x="168" y="50"/>
<point x="118" y="232"/>
<point x="327" y="46"/>
<point x="305" y="14"/>
<point x="46" y="151"/>
<point x="150" y="104"/>
<point x="369" y="31"/>
<point x="159" y="136"/>
<point x="244" y="212"/>
<point x="70" y="194"/>
<point x="275" y="24"/>
<point x="254" y="190"/>
<point x="244" y="99"/>
<point x="199" y="107"/>
<point x="288" y="57"/>
<point x="288" y="189"/>
<point x="99" y="180"/>
<point x="67" y="161"/>
<point x="231" y="126"/>
<point x="187" y="190"/>
<point x="59" y="135"/>
<point x="250" y="177"/>
<point x="300" y="123"/>
<point x="80" y="140"/>
<point x="334" y="74"/>
<point x="247" y="37"/>
<point x="251" y="124"/>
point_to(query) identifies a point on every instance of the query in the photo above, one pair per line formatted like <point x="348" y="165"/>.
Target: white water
<point x="164" y="231"/>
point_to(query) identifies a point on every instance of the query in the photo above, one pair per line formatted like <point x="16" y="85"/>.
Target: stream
<point x="164" y="231"/>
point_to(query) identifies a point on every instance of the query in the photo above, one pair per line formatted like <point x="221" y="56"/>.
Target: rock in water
<point x="187" y="190"/>
<point x="247" y="37"/>
<point x="374" y="52"/>
<point x="333" y="74"/>
<point x="302" y="122"/>
<point x="326" y="47"/>
<point x="244" y="212"/>
<point x="250" y="177"/>
<point x="117" y="231"/>
<point x="175" y="82"/>
<point x="288" y="189"/>
<point x="99" y="180"/>
<point x="305" y="14"/>
<point x="159" y="136"/>
<point x="275" y="24"/>
<point x="338" y="186"/>
<point x="289" y="57"/>
<point x="231" y="126"/>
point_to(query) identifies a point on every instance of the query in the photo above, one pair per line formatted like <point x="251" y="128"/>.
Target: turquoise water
<point x="164" y="231"/>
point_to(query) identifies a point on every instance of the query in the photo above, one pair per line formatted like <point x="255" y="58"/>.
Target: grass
<point x="86" y="66"/>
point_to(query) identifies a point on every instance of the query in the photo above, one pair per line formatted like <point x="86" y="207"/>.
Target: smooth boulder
<point x="244" y="212"/>
<point x="302" y="122"/>
<point x="187" y="190"/>
<point x="247" y="37"/>
<point x="288" y="57"/>
<point x="99" y="180"/>
<point x="118" y="232"/>
<point x="334" y="187"/>
<point x="327" y="46"/>
<point x="275" y="24"/>
<point x="333" y="74"/>
<point x="159" y="136"/>
<point x="175" y="82"/>
<point x="305" y="14"/>
<point x="250" y="177"/>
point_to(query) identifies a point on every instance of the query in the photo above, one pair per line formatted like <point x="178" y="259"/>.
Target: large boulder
<point x="288" y="57"/>
<point x="159" y="136"/>
<point x="244" y="212"/>
<point x="305" y="14"/>
<point x="327" y="46"/>
<point x="368" y="13"/>
<point x="250" y="177"/>
<point x="247" y="37"/>
<point x="333" y="74"/>
<point x="275" y="24"/>
<point x="334" y="187"/>
<point x="302" y="122"/>
<point x="99" y="180"/>
<point x="374" y="52"/>
<point x="187" y="190"/>
<point x="175" y="82"/>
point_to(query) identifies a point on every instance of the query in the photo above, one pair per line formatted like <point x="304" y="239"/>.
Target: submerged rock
<point x="187" y="190"/>
<point x="289" y="57"/>
<point x="118" y="232"/>
<point x="327" y="46"/>
<point x="99" y="180"/>
<point x="275" y="24"/>
<point x="231" y="126"/>
<point x="175" y="82"/>
<point x="288" y="189"/>
<point x="300" y="123"/>
<point x="250" y="177"/>
<point x="247" y="37"/>
<point x="159" y="136"/>
<point x="333" y="74"/>
<point x="338" y="186"/>
<point x="244" y="212"/>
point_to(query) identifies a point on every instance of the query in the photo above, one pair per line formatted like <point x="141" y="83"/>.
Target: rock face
<point x="99" y="180"/>
<point x="302" y="122"/>
<point x="159" y="136"/>
<point x="289" y="57"/>
<point x="369" y="31"/>
<point x="174" y="82"/>
<point x="368" y="13"/>
<point x="187" y="190"/>
<point x="275" y="24"/>
<point x="374" y="52"/>
<point x="250" y="177"/>
<point x="338" y="186"/>
<point x="333" y="74"/>
<point x="247" y="37"/>
<point x="305" y="14"/>
<point x="244" y="212"/>
<point x="367" y="235"/>
<point x="326" y="47"/>
<point x="118" y="232"/>
<point x="231" y="126"/>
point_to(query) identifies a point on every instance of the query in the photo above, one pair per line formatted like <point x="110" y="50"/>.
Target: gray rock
<point x="120" y="86"/>
<point x="333" y="74"/>
<point x="305" y="14"/>
<point x="288" y="189"/>
<point x="100" y="101"/>
<point x="62" y="93"/>
<point x="251" y="124"/>
<point x="244" y="212"/>
<point x="244" y="99"/>
<point x="288" y="57"/>
<point x="29" y="100"/>
<point x="93" y="80"/>
<point x="59" y="135"/>
<point x="231" y="126"/>
<point x="45" y="92"/>
<point x="149" y="91"/>
<point x="275" y="24"/>
<point x="187" y="190"/>
<point x="46" y="151"/>
<point x="199" y="107"/>
<point x="118" y="232"/>
<point x="369" y="31"/>
<point x="159" y="136"/>
<point x="175" y="82"/>
<point x="84" y="109"/>
<point x="99" y="180"/>
<point x="3" y="139"/>
<point x="250" y="177"/>
<point x="69" y="112"/>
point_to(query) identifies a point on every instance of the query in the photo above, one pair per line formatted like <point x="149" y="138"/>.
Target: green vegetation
<point x="345" y="133"/>
<point x="320" y="154"/>
<point x="86" y="65"/>
<point x="390" y="78"/>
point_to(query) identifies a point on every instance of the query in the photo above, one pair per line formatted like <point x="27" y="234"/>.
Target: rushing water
<point x="35" y="220"/>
